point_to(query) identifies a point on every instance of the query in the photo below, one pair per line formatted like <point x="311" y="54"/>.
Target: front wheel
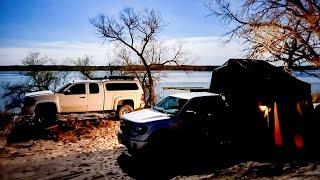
<point x="124" y="110"/>
<point x="45" y="114"/>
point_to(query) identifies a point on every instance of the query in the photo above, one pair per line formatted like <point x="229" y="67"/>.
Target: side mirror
<point x="66" y="92"/>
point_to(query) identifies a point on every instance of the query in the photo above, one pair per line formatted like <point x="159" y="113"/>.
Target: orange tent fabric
<point x="277" y="129"/>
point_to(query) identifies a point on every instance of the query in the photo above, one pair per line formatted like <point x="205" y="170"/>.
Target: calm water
<point x="167" y="79"/>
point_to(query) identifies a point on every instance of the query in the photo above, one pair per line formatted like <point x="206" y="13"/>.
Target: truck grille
<point x="126" y="126"/>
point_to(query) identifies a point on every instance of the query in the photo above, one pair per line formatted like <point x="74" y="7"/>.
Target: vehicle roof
<point x="101" y="81"/>
<point x="190" y="95"/>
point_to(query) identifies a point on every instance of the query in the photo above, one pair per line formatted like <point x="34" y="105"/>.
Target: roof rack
<point x="120" y="77"/>
<point x="114" y="78"/>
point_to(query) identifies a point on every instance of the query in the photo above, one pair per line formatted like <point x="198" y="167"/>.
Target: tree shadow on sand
<point x="171" y="165"/>
<point x="213" y="164"/>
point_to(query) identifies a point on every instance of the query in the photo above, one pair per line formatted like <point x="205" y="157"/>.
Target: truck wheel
<point x="45" y="114"/>
<point x="124" y="110"/>
<point x="158" y="145"/>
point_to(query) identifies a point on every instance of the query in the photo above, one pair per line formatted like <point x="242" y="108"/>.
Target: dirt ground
<point x="92" y="155"/>
<point x="91" y="151"/>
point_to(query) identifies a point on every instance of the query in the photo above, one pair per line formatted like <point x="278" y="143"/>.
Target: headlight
<point x="139" y="130"/>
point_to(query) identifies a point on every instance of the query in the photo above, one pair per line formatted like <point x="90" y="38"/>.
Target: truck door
<point x="95" y="97"/>
<point x="74" y="99"/>
<point x="202" y="118"/>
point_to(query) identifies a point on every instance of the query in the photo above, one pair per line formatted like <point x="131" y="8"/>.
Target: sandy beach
<point x="96" y="154"/>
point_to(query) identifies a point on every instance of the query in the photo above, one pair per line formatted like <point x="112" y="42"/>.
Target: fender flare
<point x="119" y="99"/>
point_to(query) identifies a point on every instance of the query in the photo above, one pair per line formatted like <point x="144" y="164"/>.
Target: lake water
<point x="167" y="79"/>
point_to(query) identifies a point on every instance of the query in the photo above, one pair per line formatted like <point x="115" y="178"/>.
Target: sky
<point x="61" y="29"/>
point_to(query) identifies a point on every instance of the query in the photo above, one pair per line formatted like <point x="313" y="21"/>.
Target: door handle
<point x="82" y="97"/>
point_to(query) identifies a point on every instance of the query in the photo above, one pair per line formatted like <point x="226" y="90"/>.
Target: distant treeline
<point x="154" y="67"/>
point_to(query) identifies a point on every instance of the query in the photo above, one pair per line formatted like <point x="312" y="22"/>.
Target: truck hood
<point x="146" y="115"/>
<point x="39" y="93"/>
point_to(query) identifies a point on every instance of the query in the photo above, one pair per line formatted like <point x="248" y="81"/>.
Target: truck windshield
<point x="62" y="88"/>
<point x="170" y="105"/>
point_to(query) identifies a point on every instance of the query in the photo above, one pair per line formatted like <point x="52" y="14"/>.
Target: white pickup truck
<point x="111" y="95"/>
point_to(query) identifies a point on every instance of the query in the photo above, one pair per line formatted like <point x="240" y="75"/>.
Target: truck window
<point x="121" y="86"/>
<point x="170" y="105"/>
<point x="204" y="105"/>
<point x="62" y="88"/>
<point x="77" y="89"/>
<point x="93" y="88"/>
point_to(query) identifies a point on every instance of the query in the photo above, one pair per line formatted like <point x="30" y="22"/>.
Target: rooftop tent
<point x="269" y="106"/>
<point x="256" y="77"/>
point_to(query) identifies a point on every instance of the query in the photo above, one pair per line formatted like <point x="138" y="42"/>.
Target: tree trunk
<point x="151" y="98"/>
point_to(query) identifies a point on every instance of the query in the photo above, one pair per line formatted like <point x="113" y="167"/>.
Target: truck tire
<point x="45" y="114"/>
<point x="124" y="110"/>
<point x="158" y="145"/>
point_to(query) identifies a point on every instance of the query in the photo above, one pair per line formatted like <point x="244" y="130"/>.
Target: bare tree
<point x="278" y="30"/>
<point x="156" y="53"/>
<point x="135" y="35"/>
<point x="36" y="81"/>
<point x="84" y="61"/>
<point x="39" y="80"/>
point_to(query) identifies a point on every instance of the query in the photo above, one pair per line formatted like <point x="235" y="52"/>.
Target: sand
<point x="93" y="152"/>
